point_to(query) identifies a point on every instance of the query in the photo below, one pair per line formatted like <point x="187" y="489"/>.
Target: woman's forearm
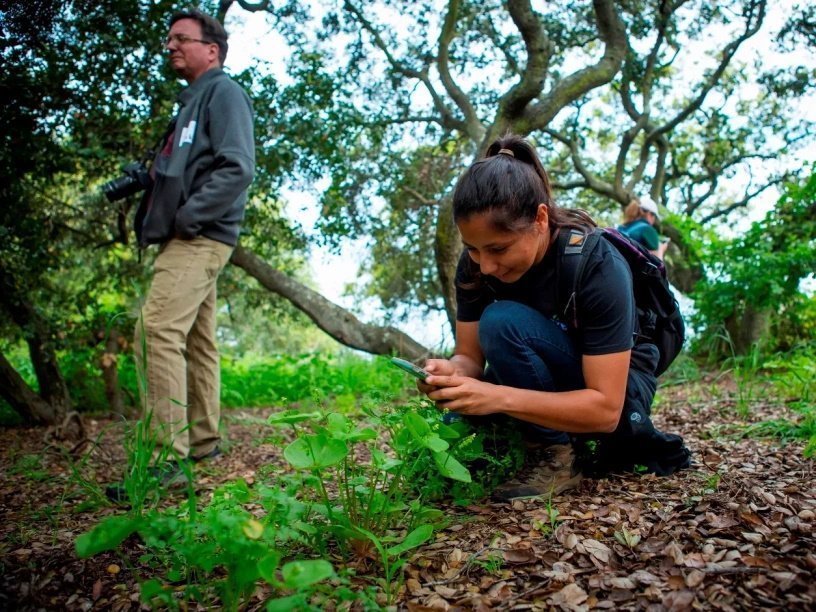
<point x="580" y="411"/>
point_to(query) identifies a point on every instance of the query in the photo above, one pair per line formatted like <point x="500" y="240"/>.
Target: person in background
<point x="639" y="218"/>
<point x="192" y="212"/>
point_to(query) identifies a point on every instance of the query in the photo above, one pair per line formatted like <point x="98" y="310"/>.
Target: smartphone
<point x="410" y="368"/>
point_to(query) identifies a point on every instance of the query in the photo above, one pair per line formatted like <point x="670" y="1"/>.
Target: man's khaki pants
<point x="176" y="353"/>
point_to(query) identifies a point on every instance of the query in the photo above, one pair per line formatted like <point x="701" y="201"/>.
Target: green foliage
<point x="223" y="548"/>
<point x="760" y="272"/>
<point x="30" y="467"/>
<point x="368" y="497"/>
<point x="791" y="375"/>
<point x="374" y="495"/>
<point x="89" y="91"/>
<point x="801" y="425"/>
<point x="394" y="138"/>
<point x="343" y="377"/>
<point x="361" y="488"/>
<point x="492" y="451"/>
<point x="146" y="466"/>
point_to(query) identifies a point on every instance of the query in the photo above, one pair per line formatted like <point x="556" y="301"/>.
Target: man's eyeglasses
<point x="183" y="39"/>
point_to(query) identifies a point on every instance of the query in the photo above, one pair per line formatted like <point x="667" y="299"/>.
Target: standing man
<point x="193" y="212"/>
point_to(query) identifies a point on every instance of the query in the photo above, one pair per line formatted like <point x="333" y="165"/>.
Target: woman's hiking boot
<point x="547" y="472"/>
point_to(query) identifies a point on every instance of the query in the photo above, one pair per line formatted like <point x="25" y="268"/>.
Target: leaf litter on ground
<point x="734" y="532"/>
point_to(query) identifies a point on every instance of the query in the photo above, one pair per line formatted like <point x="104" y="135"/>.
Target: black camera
<point x="136" y="179"/>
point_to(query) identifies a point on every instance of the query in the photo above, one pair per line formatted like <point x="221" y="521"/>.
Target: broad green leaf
<point x="342" y="428"/>
<point x="152" y="589"/>
<point x="290" y="417"/>
<point x="315" y="452"/>
<point x="287" y="604"/>
<point x="422" y="433"/>
<point x="381" y="461"/>
<point x="451" y="468"/>
<point x="446" y="432"/>
<point x="268" y="566"/>
<point x="300" y="574"/>
<point x="106" y="535"/>
<point x="418" y="427"/>
<point x="417" y="537"/>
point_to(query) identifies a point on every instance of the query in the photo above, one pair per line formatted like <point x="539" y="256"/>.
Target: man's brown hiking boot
<point x="546" y="472"/>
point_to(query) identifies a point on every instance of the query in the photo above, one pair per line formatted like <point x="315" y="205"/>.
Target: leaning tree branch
<point x="558" y="186"/>
<point x="743" y="202"/>
<point x="640" y="118"/>
<point x="755" y="18"/>
<point x="710" y="179"/>
<point x="645" y="154"/>
<point x="695" y="203"/>
<point x="666" y="10"/>
<point x="24" y="401"/>
<point x="590" y="178"/>
<point x="612" y="32"/>
<point x="502" y="44"/>
<point x="539" y="49"/>
<point x="474" y="128"/>
<point x="406" y="119"/>
<point x="448" y="119"/>
<point x="422" y="201"/>
<point x="661" y="163"/>
<point x="627" y="140"/>
<point x="336" y="321"/>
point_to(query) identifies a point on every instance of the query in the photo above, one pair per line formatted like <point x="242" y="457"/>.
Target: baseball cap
<point x="647" y="204"/>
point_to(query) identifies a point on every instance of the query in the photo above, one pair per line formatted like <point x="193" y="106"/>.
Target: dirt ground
<point x="735" y="532"/>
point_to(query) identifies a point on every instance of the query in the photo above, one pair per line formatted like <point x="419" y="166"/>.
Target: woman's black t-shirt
<point x="605" y="301"/>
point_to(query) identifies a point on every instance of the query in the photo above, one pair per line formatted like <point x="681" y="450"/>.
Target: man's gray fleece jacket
<point x="200" y="189"/>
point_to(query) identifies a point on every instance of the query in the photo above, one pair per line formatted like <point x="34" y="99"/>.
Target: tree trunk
<point x="447" y="247"/>
<point x="53" y="391"/>
<point x="747" y="329"/>
<point x="110" y="371"/>
<point x="339" y="323"/>
<point x="683" y="273"/>
<point x="22" y="398"/>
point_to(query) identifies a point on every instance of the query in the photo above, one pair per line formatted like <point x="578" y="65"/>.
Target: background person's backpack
<point x="659" y="319"/>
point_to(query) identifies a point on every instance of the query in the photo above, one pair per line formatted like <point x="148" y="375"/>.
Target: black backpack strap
<point x="574" y="247"/>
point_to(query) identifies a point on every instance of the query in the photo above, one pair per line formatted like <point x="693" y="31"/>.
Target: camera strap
<point x="150" y="154"/>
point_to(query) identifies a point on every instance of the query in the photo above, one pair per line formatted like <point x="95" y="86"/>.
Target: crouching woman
<point x="579" y="386"/>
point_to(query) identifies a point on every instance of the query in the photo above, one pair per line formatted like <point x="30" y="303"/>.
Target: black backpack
<point x="659" y="319"/>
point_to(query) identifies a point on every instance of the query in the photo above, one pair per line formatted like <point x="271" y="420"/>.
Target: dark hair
<point x="510" y="182"/>
<point x="211" y="29"/>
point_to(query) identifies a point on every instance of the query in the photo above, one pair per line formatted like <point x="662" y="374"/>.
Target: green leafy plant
<point x="754" y="280"/>
<point x="367" y="489"/>
<point x="802" y="425"/>
<point x="29" y="467"/>
<point x="548" y="527"/>
<point x="146" y="458"/>
<point x="392" y="558"/>
<point x="370" y="495"/>
<point x="627" y="538"/>
<point x="745" y="370"/>
<point x="224" y="548"/>
<point x="712" y="482"/>
<point x="492" y="562"/>
<point x="315" y="379"/>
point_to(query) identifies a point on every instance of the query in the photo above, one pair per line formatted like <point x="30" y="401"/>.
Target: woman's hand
<point x="437" y="367"/>
<point x="465" y="395"/>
